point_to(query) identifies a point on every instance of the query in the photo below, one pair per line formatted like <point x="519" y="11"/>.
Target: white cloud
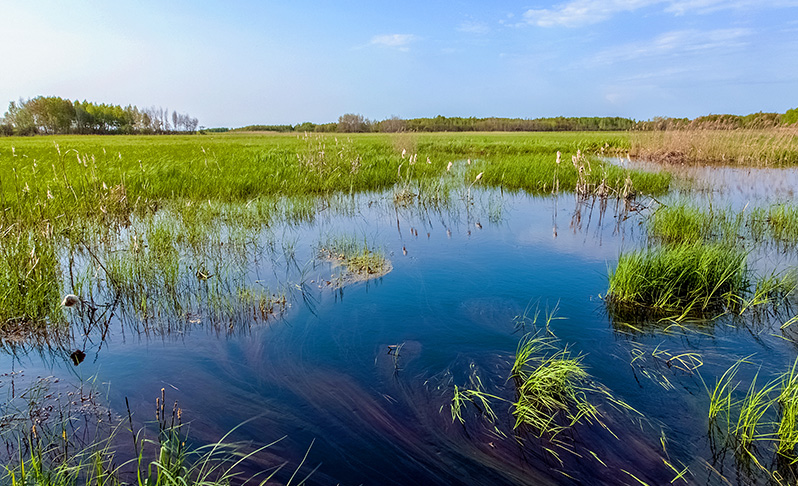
<point x="578" y="13"/>
<point x="396" y="41"/>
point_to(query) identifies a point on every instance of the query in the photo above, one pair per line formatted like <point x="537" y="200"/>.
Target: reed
<point x="758" y="148"/>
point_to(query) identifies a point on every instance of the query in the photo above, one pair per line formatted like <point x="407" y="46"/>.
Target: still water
<point x="360" y="377"/>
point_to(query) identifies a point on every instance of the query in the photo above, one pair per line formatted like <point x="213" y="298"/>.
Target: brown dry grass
<point x="775" y="147"/>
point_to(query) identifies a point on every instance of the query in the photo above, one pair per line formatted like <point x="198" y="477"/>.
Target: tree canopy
<point x="53" y="115"/>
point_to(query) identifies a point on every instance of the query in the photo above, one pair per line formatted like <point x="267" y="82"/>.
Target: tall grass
<point x="683" y="278"/>
<point x="30" y="277"/>
<point x="758" y="148"/>
<point x="686" y="222"/>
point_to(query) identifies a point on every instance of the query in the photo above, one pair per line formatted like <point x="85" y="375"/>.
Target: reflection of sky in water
<point x="322" y="372"/>
<point x="733" y="186"/>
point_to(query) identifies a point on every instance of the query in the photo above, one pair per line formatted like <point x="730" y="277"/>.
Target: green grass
<point x="679" y="279"/>
<point x="359" y="260"/>
<point x="766" y="414"/>
<point x="685" y="222"/>
<point x="52" y="178"/>
<point x="30" y="276"/>
<point x="552" y="387"/>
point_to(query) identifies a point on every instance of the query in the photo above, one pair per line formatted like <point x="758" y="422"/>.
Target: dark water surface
<point x="322" y="373"/>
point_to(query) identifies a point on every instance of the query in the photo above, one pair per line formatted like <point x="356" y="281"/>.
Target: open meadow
<point x="407" y="308"/>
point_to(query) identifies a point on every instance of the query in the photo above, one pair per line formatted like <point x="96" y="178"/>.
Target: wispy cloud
<point x="395" y="41"/>
<point x="472" y="27"/>
<point x="675" y="43"/>
<point x="682" y="7"/>
<point x="579" y="13"/>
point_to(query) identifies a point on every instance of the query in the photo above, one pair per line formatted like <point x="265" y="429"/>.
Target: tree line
<point x="722" y="122"/>
<point x="48" y="115"/>
<point x="54" y="115"/>
<point x="355" y="123"/>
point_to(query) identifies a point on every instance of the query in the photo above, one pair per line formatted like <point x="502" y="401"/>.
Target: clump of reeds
<point x="682" y="278"/>
<point x="552" y="387"/>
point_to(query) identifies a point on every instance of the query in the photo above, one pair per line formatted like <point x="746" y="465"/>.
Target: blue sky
<point x="236" y="63"/>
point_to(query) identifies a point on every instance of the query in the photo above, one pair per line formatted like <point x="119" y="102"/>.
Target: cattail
<point x="559" y="155"/>
<point x="448" y="167"/>
<point x="399" y="171"/>
<point x="71" y="300"/>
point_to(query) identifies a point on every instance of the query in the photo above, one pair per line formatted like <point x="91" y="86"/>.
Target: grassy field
<point x="48" y="178"/>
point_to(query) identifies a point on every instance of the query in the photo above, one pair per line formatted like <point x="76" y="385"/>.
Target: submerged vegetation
<point x="759" y="422"/>
<point x="44" y="450"/>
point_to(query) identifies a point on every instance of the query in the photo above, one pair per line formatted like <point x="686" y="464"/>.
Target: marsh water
<point x="358" y="376"/>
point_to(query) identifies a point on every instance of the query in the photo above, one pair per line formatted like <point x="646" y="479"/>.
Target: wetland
<point x="395" y="309"/>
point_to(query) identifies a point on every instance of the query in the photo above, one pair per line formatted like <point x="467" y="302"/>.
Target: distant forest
<point x="48" y="115"/>
<point x="353" y="123"/>
<point x="53" y="115"/>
